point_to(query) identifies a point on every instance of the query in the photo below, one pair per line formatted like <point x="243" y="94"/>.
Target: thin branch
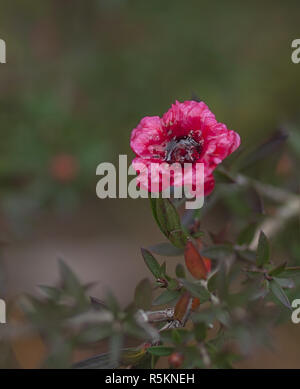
<point x="290" y="207"/>
<point x="272" y="225"/>
<point x="272" y="192"/>
<point x="205" y="355"/>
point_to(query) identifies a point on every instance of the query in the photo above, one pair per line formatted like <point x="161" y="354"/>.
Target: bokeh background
<point x="79" y="77"/>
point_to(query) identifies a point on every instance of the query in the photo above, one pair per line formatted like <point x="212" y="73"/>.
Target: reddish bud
<point x="182" y="306"/>
<point x="195" y="303"/>
<point x="207" y="263"/>
<point x="194" y="262"/>
<point x="176" y="359"/>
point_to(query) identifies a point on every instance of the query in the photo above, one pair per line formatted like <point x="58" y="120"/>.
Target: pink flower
<point x="187" y="133"/>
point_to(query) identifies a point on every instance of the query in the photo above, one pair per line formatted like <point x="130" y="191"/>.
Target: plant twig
<point x="290" y="207"/>
<point x="272" y="225"/>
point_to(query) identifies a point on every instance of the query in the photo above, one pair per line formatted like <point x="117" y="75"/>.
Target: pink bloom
<point x="187" y="133"/>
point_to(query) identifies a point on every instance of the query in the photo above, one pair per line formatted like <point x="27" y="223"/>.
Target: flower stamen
<point x="183" y="149"/>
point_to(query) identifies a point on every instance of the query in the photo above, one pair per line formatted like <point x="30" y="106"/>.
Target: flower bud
<point x="207" y="263"/>
<point x="182" y="307"/>
<point x="195" y="303"/>
<point x="194" y="262"/>
<point x="176" y="359"/>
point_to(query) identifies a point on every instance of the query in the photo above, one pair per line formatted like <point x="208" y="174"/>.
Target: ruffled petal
<point x="188" y="118"/>
<point x="148" y="139"/>
<point x="219" y="143"/>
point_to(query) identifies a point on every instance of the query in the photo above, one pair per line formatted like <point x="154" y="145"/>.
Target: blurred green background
<point x="81" y="74"/>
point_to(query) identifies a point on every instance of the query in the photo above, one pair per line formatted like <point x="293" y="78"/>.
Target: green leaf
<point x="223" y="317"/>
<point x="197" y="234"/>
<point x="143" y="294"/>
<point x="285" y="282"/>
<point x="69" y="280"/>
<point x="180" y="271"/>
<point x="101" y="361"/>
<point x="51" y="292"/>
<point x="172" y="284"/>
<point x="173" y="335"/>
<point x="151" y="263"/>
<point x="263" y="251"/>
<point x="166" y="249"/>
<point x="163" y="270"/>
<point x="94" y="334"/>
<point x="278" y="292"/>
<point x="166" y="297"/>
<point x="160" y="351"/>
<point x="218" y="251"/>
<point x="196" y="290"/>
<point x="212" y="282"/>
<point x="290" y="272"/>
<point x="208" y="316"/>
<point x="112" y="303"/>
<point x="200" y="331"/>
<point x="134" y="356"/>
<point x="176" y="336"/>
<point x="246" y="235"/>
<point x="222" y="281"/>
<point x="277" y="270"/>
<point x="169" y="222"/>
<point x="153" y="208"/>
<point x="247" y="255"/>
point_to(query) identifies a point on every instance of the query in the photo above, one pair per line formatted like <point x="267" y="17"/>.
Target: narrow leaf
<point x="263" y="251"/>
<point x="166" y="297"/>
<point x="212" y="282"/>
<point x="151" y="263"/>
<point x="143" y="294"/>
<point x="285" y="282"/>
<point x="246" y="235"/>
<point x="169" y="221"/>
<point x="290" y="272"/>
<point x="161" y="351"/>
<point x="101" y="361"/>
<point x="277" y="270"/>
<point x="166" y="249"/>
<point x="180" y="272"/>
<point x="218" y="252"/>
<point x="278" y="292"/>
<point x="196" y="290"/>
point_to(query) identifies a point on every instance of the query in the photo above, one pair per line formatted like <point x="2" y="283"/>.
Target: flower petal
<point x="189" y="117"/>
<point x="148" y="138"/>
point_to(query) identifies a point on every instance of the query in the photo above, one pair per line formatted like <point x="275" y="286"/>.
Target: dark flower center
<point x="183" y="149"/>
